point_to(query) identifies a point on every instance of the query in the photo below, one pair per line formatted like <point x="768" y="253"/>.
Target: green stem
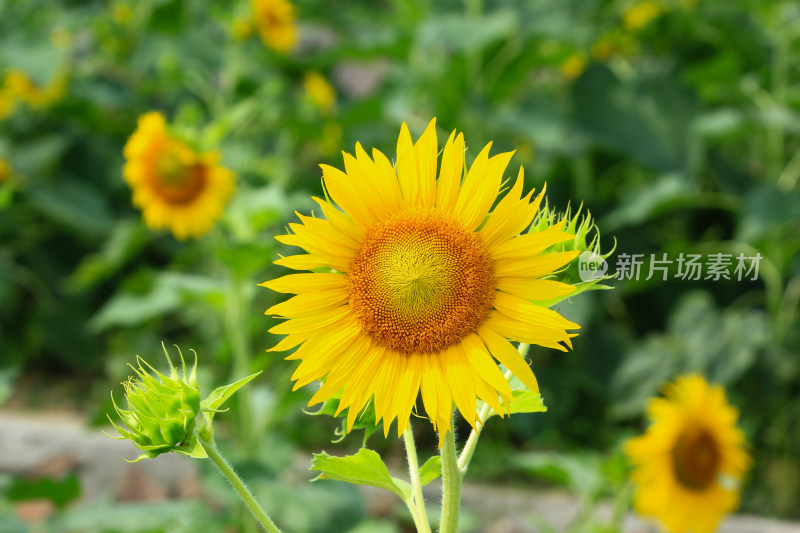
<point x="483" y="414"/>
<point x="417" y="504"/>
<point x="239" y="486"/>
<point x="451" y="485"/>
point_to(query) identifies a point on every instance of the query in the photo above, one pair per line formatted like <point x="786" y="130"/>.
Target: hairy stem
<point x="451" y="485"/>
<point x="239" y="486"/>
<point x="417" y="506"/>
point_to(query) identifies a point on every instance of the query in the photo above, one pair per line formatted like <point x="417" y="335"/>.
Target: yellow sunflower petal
<point x="306" y="282"/>
<point x="525" y="311"/>
<point x="312" y="323"/>
<point x="460" y="381"/>
<point x="530" y="244"/>
<point x="389" y="196"/>
<point x="512" y="215"/>
<point x="300" y="262"/>
<point x="407" y="390"/>
<point x="426" y="153"/>
<point x="508" y="356"/>
<point x="451" y="172"/>
<point x="533" y="267"/>
<point x="309" y="303"/>
<point x="480" y="187"/>
<point x="346" y="196"/>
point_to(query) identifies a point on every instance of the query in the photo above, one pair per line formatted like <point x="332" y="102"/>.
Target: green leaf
<point x="126" y="310"/>
<point x="74" y="205"/>
<point x="221" y="394"/>
<point x="363" y="468"/>
<point x="648" y="119"/>
<point x="527" y="402"/>
<point x="430" y="470"/>
<point x="195" y="450"/>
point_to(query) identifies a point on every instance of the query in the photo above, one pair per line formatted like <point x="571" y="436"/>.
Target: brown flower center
<point x="420" y="282"/>
<point x="695" y="459"/>
<point x="176" y="181"/>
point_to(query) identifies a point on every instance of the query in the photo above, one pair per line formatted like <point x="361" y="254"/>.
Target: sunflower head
<point x="176" y="187"/>
<point x="689" y="464"/>
<point x="275" y="22"/>
<point x="419" y="285"/>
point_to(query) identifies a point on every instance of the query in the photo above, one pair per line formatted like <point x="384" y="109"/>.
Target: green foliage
<point x="430" y="469"/>
<point x="527" y="401"/>
<point x="364" y="468"/>
<point x="211" y="404"/>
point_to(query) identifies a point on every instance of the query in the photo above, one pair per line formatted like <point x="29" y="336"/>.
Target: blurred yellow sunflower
<point x="689" y="464"/>
<point x="20" y="86"/>
<point x="5" y="170"/>
<point x="422" y="286"/>
<point x="320" y="91"/>
<point x="7" y="103"/>
<point x="638" y="16"/>
<point x="274" y="20"/>
<point x="574" y="65"/>
<point x="175" y="187"/>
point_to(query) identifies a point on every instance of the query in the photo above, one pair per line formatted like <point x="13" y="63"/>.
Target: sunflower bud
<point x="162" y="410"/>
<point x="586" y="238"/>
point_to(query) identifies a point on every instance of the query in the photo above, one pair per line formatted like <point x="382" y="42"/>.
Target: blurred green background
<point x="675" y="122"/>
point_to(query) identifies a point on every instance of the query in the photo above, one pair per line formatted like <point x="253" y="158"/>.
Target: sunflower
<point x="320" y="91"/>
<point x="174" y="186"/>
<point x="638" y="16"/>
<point x="689" y="464"/>
<point x="274" y="20"/>
<point x="422" y="284"/>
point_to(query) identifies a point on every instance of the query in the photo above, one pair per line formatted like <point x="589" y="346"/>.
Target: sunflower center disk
<point x="420" y="282"/>
<point x="178" y="181"/>
<point x="695" y="459"/>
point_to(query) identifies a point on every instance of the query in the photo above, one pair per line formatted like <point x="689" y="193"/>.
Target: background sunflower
<point x="689" y="465"/>
<point x="174" y="186"/>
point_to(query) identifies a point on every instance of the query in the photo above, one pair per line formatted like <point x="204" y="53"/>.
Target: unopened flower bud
<point x="162" y="410"/>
